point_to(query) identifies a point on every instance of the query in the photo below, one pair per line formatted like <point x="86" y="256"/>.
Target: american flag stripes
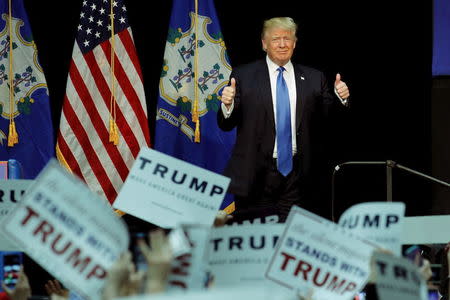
<point x="83" y="144"/>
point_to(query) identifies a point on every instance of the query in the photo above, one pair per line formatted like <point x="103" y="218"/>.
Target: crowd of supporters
<point x="124" y="278"/>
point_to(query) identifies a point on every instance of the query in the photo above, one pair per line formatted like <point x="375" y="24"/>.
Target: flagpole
<point x="113" y="130"/>
<point x="195" y="114"/>
<point x="13" y="137"/>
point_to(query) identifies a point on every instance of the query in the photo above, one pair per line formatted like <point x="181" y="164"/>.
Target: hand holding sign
<point x="222" y="218"/>
<point x="22" y="290"/>
<point x="425" y="269"/>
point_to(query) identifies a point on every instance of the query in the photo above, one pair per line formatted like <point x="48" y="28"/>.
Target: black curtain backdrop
<point x="382" y="50"/>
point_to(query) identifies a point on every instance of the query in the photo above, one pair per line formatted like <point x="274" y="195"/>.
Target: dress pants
<point x="274" y="191"/>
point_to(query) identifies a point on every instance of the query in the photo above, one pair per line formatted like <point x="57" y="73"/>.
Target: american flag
<point x="83" y="144"/>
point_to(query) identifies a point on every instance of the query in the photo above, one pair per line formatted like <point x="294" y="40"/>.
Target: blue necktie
<point x="284" y="135"/>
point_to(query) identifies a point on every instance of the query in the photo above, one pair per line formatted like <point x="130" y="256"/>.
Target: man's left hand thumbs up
<point x="341" y="88"/>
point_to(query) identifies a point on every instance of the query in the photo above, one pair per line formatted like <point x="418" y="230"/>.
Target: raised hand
<point x="22" y="290"/>
<point x="228" y="94"/>
<point x="159" y="259"/>
<point x="54" y="287"/>
<point x="341" y="87"/>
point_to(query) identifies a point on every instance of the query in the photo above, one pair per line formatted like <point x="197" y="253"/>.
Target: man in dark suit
<point x="279" y="110"/>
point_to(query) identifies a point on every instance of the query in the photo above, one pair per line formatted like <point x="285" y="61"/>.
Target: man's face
<point x="279" y="45"/>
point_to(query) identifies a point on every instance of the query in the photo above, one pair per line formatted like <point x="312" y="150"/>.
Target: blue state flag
<point x="26" y="131"/>
<point x="196" y="68"/>
<point x="441" y="40"/>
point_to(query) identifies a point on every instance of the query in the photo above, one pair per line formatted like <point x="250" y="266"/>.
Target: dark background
<point x="382" y="49"/>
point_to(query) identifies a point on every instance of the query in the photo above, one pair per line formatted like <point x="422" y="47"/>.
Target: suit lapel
<point x="300" y="80"/>
<point x="265" y="92"/>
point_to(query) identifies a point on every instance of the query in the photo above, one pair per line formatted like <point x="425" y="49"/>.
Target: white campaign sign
<point x="188" y="270"/>
<point x="11" y="192"/>
<point x="425" y="230"/>
<point x="167" y="191"/>
<point x="240" y="254"/>
<point x="68" y="230"/>
<point x="398" y="278"/>
<point x="378" y="222"/>
<point x="317" y="255"/>
<point x="237" y="293"/>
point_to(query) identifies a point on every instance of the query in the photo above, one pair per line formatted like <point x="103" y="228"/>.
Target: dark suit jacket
<point x="254" y="118"/>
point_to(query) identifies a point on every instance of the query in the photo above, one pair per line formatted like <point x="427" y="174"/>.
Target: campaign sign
<point x="11" y="191"/>
<point x="425" y="230"/>
<point x="189" y="270"/>
<point x="70" y="231"/>
<point x="240" y="254"/>
<point x="167" y="191"/>
<point x="379" y="222"/>
<point x="237" y="293"/>
<point x="398" y="278"/>
<point x="317" y="255"/>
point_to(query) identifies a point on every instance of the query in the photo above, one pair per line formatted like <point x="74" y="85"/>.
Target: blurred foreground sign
<point x="378" y="222"/>
<point x="11" y="191"/>
<point x="237" y="293"/>
<point x="240" y="254"/>
<point x="398" y="278"/>
<point x="68" y="230"/>
<point x="319" y="256"/>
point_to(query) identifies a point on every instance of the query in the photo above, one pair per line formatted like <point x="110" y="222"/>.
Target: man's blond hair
<point x="286" y="23"/>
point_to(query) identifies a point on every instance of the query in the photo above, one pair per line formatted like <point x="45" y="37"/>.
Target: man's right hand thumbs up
<point x="228" y="94"/>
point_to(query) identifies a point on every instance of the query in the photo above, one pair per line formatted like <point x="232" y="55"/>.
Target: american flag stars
<point x="95" y="19"/>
